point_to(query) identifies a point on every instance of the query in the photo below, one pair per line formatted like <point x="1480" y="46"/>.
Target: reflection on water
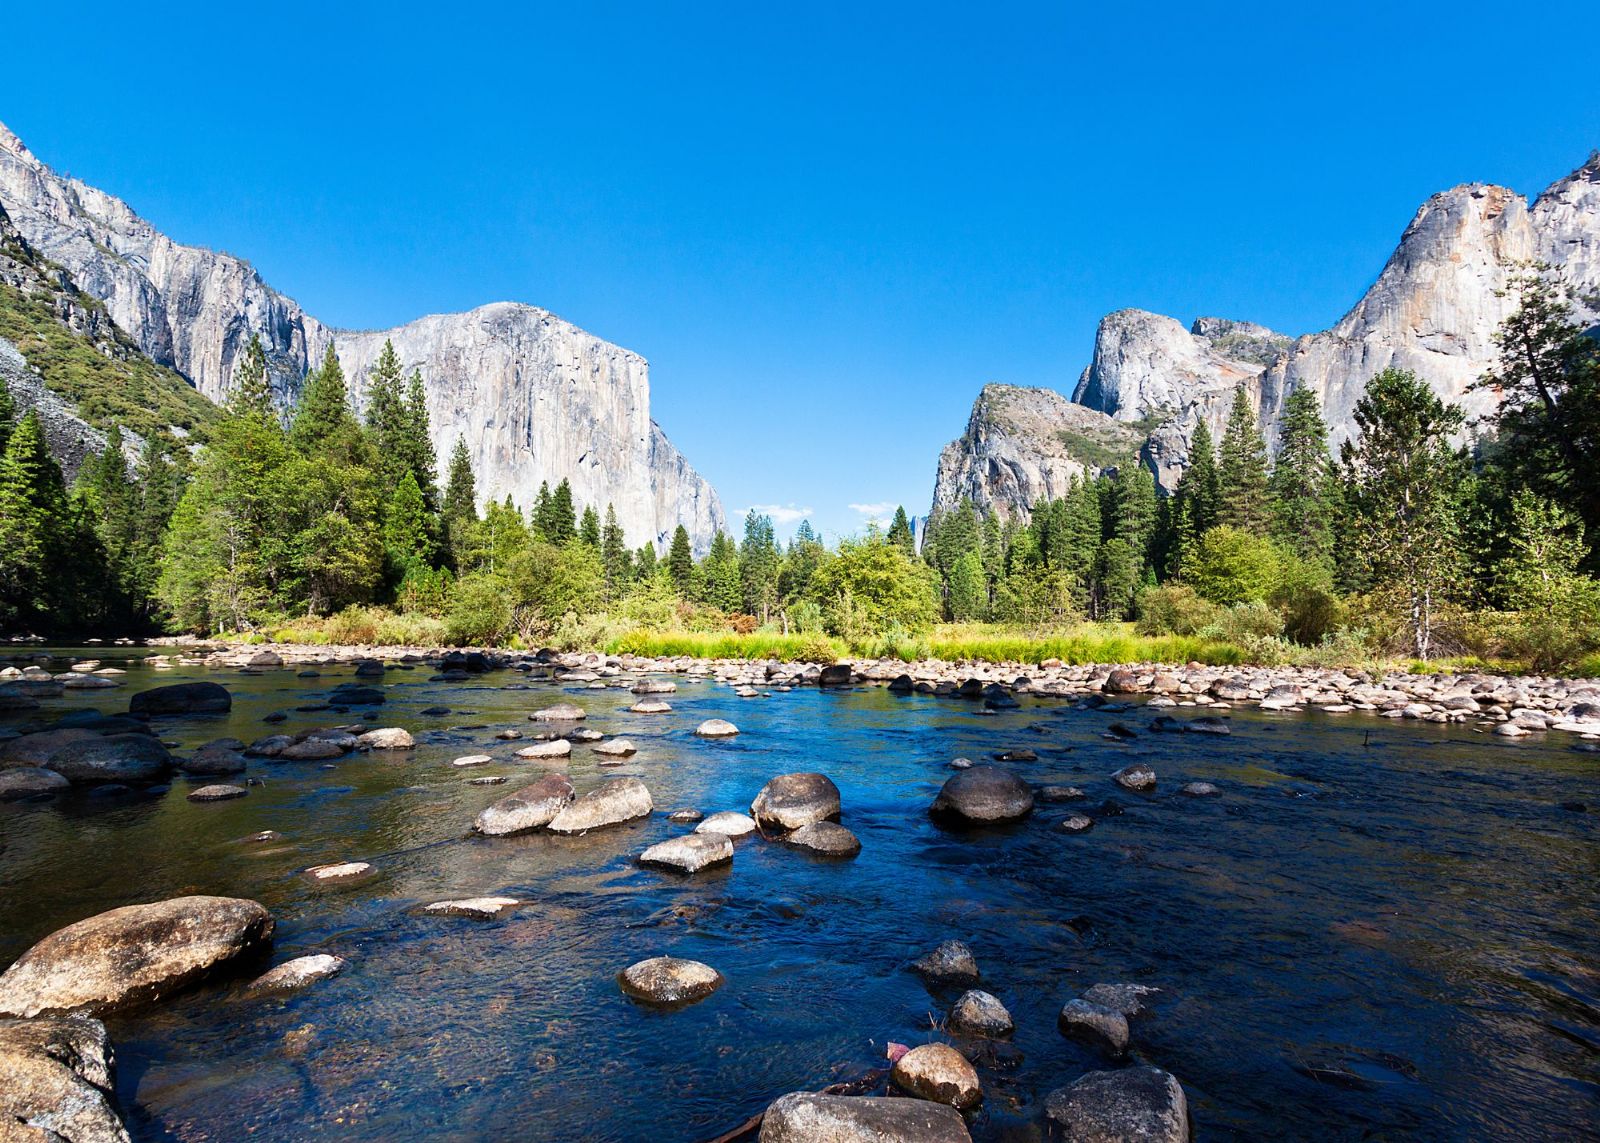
<point x="1361" y="938"/>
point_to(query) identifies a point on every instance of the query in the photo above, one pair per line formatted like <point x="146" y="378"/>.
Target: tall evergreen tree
<point x="1242" y="471"/>
<point x="900" y="532"/>
<point x="805" y="556"/>
<point x="8" y="415"/>
<point x="1197" y="498"/>
<point x="461" y="492"/>
<point x="614" y="556"/>
<point x="1133" y="510"/>
<point x="386" y="416"/>
<point x="542" y="504"/>
<point x="563" y="515"/>
<point x="1301" y="492"/>
<point x="323" y="412"/>
<point x="758" y="566"/>
<point x="36" y="531"/>
<point x="406" y="538"/>
<point x="1403" y="480"/>
<point x="589" y="528"/>
<point x="645" y="561"/>
<point x="416" y="441"/>
<point x="720" y="568"/>
<point x="968" y="598"/>
<point x="680" y="560"/>
<point x="251" y="387"/>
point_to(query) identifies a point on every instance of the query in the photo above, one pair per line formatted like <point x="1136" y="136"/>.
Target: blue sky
<point x="825" y="225"/>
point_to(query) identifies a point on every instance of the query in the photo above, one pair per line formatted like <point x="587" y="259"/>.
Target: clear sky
<point x="825" y="225"/>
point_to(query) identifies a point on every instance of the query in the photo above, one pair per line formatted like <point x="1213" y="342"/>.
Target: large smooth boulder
<point x="386" y="738"/>
<point x="560" y="712"/>
<point x="1144" y="1104"/>
<point x="728" y="822"/>
<point x="690" y="853"/>
<point x="21" y="782"/>
<point x="56" y="1082"/>
<point x="130" y="955"/>
<point x="531" y="807"/>
<point x="834" y="675"/>
<point x="669" y="980"/>
<point x="135" y="759"/>
<point x="617" y="801"/>
<point x="35" y="749"/>
<point x="182" y="698"/>
<point x="214" y="759"/>
<point x="790" y="801"/>
<point x="354" y="694"/>
<point x="939" y="1073"/>
<point x="982" y="795"/>
<point x="1096" y="1024"/>
<point x="712" y="727"/>
<point x="807" y="1117"/>
<point x="1121" y="682"/>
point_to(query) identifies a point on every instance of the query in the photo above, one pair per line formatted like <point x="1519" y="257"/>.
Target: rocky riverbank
<point x="1509" y="706"/>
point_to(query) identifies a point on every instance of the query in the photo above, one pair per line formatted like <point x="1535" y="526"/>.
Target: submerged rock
<point x="1144" y="1104"/>
<point x="951" y="963"/>
<point x="939" y="1073"/>
<point x="339" y="871"/>
<point x="298" y="973"/>
<point x="36" y="749"/>
<point x="790" y="801"/>
<point x="983" y="795"/>
<point x="650" y="706"/>
<point x="386" y="738"/>
<point x="1077" y="823"/>
<point x="691" y="853"/>
<point x="828" y="839"/>
<point x="1200" y="790"/>
<point x="480" y="908"/>
<point x="218" y="793"/>
<point x="130" y="955"/>
<point x="531" y="807"/>
<point x="560" y="712"/>
<point x="182" y="698"/>
<point x="979" y="1013"/>
<point x="669" y="980"/>
<point x="134" y="759"/>
<point x="1137" y="777"/>
<point x="56" y="1082"/>
<point x="1129" y="999"/>
<point x="808" y="1117"/>
<point x="617" y="801"/>
<point x="21" y="782"/>
<point x="559" y="748"/>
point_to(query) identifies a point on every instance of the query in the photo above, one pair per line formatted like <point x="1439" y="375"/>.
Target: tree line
<point x="1407" y="537"/>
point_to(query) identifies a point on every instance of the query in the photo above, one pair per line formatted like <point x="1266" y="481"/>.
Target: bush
<point x="1174" y="609"/>
<point x="480" y="611"/>
<point x="1230" y="565"/>
<point x="805" y="617"/>
<point x="1311" y="615"/>
<point x="1244" y="622"/>
<point x="353" y="625"/>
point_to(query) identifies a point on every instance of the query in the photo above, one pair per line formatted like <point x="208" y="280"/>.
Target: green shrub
<point x="1174" y="609"/>
<point x="1230" y="565"/>
<point x="480" y="611"/>
<point x="1244" y="622"/>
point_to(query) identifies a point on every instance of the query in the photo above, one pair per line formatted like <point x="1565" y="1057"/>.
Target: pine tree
<point x="406" y="537"/>
<point x="1197" y="499"/>
<point x="251" y="388"/>
<point x="758" y="566"/>
<point x="968" y="601"/>
<point x="1403" y="480"/>
<point x="563" y="515"/>
<point x="614" y="557"/>
<point x="36" y="531"/>
<point x="542" y="504"/>
<point x="416" y="440"/>
<point x="461" y="493"/>
<point x="680" y="560"/>
<point x="1242" y="473"/>
<point x="723" y="589"/>
<point x="589" y="529"/>
<point x="8" y="415"/>
<point x="1117" y="575"/>
<point x="1133" y="515"/>
<point x="645" y="561"/>
<point x="386" y="416"/>
<point x="806" y="554"/>
<point x="900" y="532"/>
<point x="323" y="413"/>
<point x="1300" y="487"/>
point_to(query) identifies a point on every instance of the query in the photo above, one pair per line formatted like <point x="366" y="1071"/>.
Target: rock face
<point x="1024" y="445"/>
<point x="805" y="1117"/>
<point x="564" y="403"/>
<point x="130" y="955"/>
<point x="1433" y="309"/>
<point x="56" y="1081"/>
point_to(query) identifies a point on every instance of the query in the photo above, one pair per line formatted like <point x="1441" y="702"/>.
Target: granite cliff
<point x="534" y="397"/>
<point x="1433" y="309"/>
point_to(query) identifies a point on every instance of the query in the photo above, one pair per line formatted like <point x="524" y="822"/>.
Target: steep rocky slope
<point x="1433" y="309"/>
<point x="535" y="398"/>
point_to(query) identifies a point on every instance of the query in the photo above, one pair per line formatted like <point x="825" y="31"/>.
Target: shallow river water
<point x="1379" y="930"/>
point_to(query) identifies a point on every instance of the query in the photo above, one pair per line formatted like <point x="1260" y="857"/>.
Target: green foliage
<point x="758" y="566"/>
<point x="1230" y="566"/>
<point x="480" y="612"/>
<point x="615" y="558"/>
<point x="900" y="532"/>
<point x="720" y="583"/>
<point x="119" y="387"/>
<point x="1242" y="473"/>
<point x="680" y="560"/>
<point x="870" y="584"/>
<point x="968" y="600"/>
<point x="1303" y="499"/>
<point x="1174" y="609"/>
<point x="589" y="528"/>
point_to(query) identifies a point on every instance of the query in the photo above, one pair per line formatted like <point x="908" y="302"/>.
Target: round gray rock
<point x="979" y="1013"/>
<point x="827" y="839"/>
<point x="531" y="807"/>
<point x="29" y="782"/>
<point x="669" y="980"/>
<point x="790" y="801"/>
<point x="690" y="853"/>
<point x="983" y="795"/>
<point x="1146" y="1104"/>
<point x="1095" y="1024"/>
<point x="617" y="801"/>
<point x="808" y="1117"/>
<point x="951" y="963"/>
<point x="136" y="759"/>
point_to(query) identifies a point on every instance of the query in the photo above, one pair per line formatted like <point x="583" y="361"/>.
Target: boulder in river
<point x="56" y="1082"/>
<point x="386" y="738"/>
<point x="298" y="973"/>
<point x="560" y="712"/>
<point x="612" y="803"/>
<point x="826" y="839"/>
<point x="615" y="748"/>
<point x="1095" y="1024"/>
<point x="1143" y="1103"/>
<point x="132" y="759"/>
<point x="217" y="793"/>
<point x="531" y="807"/>
<point x="1199" y="790"/>
<point x="650" y="706"/>
<point x="19" y="782"/>
<point x="834" y="675"/>
<point x="983" y="795"/>
<point x="35" y="749"/>
<point x="1138" y="777"/>
<point x="129" y="955"/>
<point x="1121" y="682"/>
<point x="951" y="963"/>
<point x="669" y="980"/>
<point x="182" y="698"/>
<point x="690" y="853"/>
<point x="313" y="750"/>
<point x="215" y="759"/>
<point x="979" y="1013"/>
<point x="730" y="823"/>
<point x="479" y="908"/>
<point x="790" y="801"/>
<point x="555" y="749"/>
<point x="1129" y="999"/>
<point x="353" y="694"/>
<point x="939" y="1073"/>
<point x="810" y="1117"/>
<point x="716" y="728"/>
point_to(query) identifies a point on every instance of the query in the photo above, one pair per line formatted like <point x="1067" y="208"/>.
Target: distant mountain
<point x="534" y="397"/>
<point x="1433" y="309"/>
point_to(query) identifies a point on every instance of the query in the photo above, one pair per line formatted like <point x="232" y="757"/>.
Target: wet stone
<point x="669" y="980"/>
